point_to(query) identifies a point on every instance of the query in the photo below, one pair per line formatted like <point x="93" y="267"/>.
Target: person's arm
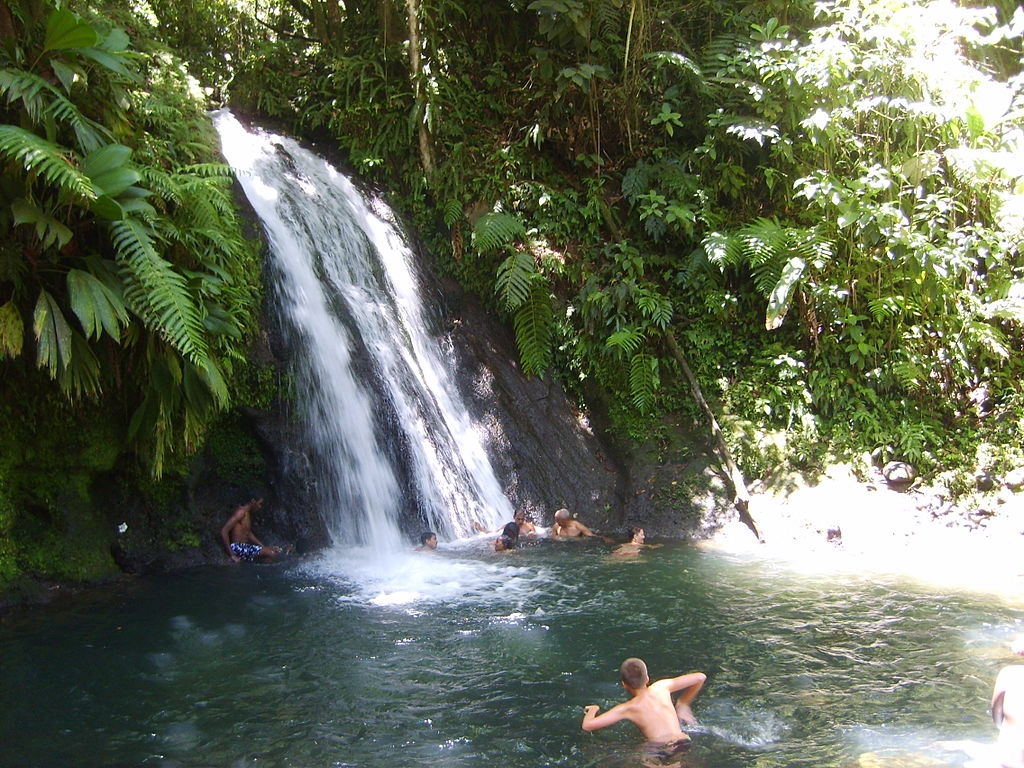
<point x="587" y="532"/>
<point x="593" y="721"/>
<point x="690" y="685"/>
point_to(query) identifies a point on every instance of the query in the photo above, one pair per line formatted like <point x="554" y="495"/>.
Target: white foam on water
<point x="467" y="574"/>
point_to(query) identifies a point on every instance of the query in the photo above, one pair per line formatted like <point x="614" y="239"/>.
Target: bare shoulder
<point x="1013" y="673"/>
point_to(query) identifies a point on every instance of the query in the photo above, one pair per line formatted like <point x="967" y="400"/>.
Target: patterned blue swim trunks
<point x="247" y="552"/>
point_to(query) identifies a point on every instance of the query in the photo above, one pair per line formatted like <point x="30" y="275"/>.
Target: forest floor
<point x="878" y="531"/>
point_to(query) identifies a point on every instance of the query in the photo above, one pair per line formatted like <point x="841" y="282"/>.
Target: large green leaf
<point x="65" y="30"/>
<point x="53" y="335"/>
<point x="109" y="170"/>
<point x="49" y="230"/>
<point x="98" y="307"/>
<point x="778" y="302"/>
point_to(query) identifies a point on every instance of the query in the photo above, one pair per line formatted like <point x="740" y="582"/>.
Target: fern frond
<point x="636" y="182"/>
<point x="43" y="102"/>
<point x="37" y="155"/>
<point x="628" y="340"/>
<point x="1004" y="309"/>
<point x="157" y="293"/>
<point x="496" y="230"/>
<point x="514" y="279"/>
<point x="892" y="307"/>
<point x="723" y="250"/>
<point x="644" y="381"/>
<point x="607" y="18"/>
<point x="451" y="213"/>
<point x="208" y="171"/>
<point x="909" y="374"/>
<point x="533" y="324"/>
<point x="656" y="308"/>
<point x="162" y="183"/>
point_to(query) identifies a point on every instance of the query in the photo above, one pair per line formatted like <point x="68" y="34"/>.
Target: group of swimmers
<point x="565" y="526"/>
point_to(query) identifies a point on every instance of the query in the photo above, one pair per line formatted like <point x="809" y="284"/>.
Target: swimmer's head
<point x="511" y="531"/>
<point x="562" y="514"/>
<point x="504" y="542"/>
<point x="634" y="674"/>
<point x="425" y="539"/>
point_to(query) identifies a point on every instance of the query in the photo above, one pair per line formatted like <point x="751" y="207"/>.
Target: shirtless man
<point x="239" y="541"/>
<point x="567" y="527"/>
<point x="1008" y="711"/>
<point x="650" y="707"/>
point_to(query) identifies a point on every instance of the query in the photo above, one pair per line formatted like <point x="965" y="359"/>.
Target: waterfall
<point x="391" y="441"/>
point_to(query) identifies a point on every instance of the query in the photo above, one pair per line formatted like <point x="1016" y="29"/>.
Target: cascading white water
<point x="384" y="422"/>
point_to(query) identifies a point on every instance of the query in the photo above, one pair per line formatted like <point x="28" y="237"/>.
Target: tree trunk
<point x="741" y="498"/>
<point x="420" y="93"/>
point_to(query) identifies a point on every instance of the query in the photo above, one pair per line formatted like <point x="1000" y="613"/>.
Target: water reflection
<point x="466" y="657"/>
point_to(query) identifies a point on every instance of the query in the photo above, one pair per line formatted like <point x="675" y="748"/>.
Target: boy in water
<point x="650" y="708"/>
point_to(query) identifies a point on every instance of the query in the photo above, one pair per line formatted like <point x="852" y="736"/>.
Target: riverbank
<point x="844" y="526"/>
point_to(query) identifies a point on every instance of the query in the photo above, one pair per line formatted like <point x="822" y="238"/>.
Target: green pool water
<point x="467" y="657"/>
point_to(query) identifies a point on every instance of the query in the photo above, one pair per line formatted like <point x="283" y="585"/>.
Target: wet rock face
<point x="545" y="454"/>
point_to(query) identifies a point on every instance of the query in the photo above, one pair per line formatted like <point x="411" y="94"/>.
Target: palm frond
<point x="53" y="335"/>
<point x="98" y="306"/>
<point x="82" y="377"/>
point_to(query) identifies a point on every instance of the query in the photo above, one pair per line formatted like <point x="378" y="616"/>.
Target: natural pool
<point x="466" y="657"/>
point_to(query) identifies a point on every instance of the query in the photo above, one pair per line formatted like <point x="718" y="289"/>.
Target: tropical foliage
<point x="813" y="209"/>
<point x="124" y="275"/>
<point x="844" y="175"/>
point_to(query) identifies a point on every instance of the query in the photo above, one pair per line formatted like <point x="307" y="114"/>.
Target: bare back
<point x="654" y="713"/>
<point x="651" y="708"/>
